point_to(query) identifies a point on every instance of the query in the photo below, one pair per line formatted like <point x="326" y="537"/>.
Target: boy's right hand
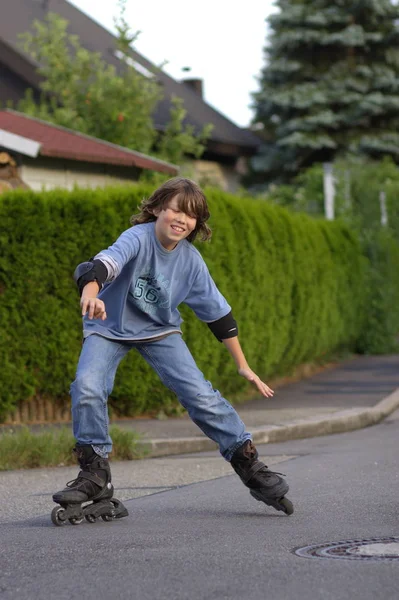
<point x="94" y="307"/>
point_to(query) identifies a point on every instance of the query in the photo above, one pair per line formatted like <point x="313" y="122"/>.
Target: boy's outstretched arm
<point x="233" y="346"/>
<point x="90" y="304"/>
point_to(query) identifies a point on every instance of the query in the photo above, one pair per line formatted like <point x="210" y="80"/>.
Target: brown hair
<point x="191" y="200"/>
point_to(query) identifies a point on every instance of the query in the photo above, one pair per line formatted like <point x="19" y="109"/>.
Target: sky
<point x="221" y="41"/>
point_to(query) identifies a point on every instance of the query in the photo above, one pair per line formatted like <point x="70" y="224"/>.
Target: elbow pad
<point x="224" y="328"/>
<point x="94" y="270"/>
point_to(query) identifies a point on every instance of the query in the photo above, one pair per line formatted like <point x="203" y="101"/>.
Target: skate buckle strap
<point x="90" y="477"/>
<point x="257" y="467"/>
<point x="254" y="469"/>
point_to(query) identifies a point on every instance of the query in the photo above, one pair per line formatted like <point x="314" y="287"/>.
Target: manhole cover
<point x="374" y="549"/>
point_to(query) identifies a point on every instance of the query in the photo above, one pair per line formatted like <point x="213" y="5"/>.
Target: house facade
<point x="39" y="155"/>
<point x="229" y="146"/>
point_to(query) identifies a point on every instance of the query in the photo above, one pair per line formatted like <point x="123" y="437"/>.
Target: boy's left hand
<point x="253" y="378"/>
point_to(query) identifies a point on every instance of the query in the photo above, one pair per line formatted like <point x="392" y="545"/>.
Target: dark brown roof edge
<point x="138" y="159"/>
<point x="19" y="62"/>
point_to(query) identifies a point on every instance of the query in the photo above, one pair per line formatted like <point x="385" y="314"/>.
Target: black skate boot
<point x="89" y="495"/>
<point x="264" y="485"/>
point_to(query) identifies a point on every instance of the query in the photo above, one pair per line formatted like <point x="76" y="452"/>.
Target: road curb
<point x="337" y="422"/>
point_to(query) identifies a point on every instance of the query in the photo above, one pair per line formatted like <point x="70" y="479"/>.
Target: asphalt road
<point x="195" y="533"/>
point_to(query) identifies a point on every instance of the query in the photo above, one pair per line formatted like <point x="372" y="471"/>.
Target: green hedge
<point x="358" y="185"/>
<point x="297" y="287"/>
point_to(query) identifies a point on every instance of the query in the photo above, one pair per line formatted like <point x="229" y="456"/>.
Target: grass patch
<point x="22" y="449"/>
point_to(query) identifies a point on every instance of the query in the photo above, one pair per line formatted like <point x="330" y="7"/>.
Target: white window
<point x="133" y="63"/>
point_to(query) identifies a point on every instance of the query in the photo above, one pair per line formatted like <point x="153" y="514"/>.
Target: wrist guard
<point x="224" y="328"/>
<point x="94" y="270"/>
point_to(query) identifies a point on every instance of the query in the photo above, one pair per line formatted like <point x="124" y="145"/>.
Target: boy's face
<point x="173" y="225"/>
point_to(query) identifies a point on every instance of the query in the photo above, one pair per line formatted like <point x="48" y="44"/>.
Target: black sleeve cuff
<point x="224" y="328"/>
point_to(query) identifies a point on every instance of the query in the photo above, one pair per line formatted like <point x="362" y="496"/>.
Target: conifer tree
<point x="330" y="86"/>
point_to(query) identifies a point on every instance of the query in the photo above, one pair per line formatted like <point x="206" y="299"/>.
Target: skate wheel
<point x="76" y="520"/>
<point x="90" y="518"/>
<point x="107" y="518"/>
<point x="58" y="516"/>
<point x="287" y="505"/>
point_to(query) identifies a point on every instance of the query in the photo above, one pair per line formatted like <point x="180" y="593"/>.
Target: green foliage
<point x="296" y="287"/>
<point x="81" y="91"/>
<point x="179" y="140"/>
<point x="382" y="293"/>
<point x="358" y="186"/>
<point x="330" y="85"/>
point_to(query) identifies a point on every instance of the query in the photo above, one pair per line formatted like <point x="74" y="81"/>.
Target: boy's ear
<point x="155" y="211"/>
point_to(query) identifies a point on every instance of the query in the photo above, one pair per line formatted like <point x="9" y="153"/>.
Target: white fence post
<point x="383" y="208"/>
<point x="329" y="191"/>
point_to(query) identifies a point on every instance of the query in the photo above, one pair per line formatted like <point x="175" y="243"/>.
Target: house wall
<point x="12" y="87"/>
<point x="207" y="172"/>
<point x="49" y="173"/>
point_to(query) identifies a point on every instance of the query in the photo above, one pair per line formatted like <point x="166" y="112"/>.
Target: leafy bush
<point x="358" y="186"/>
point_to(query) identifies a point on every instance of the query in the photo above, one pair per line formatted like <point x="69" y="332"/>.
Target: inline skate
<point x="90" y="495"/>
<point x="264" y="485"/>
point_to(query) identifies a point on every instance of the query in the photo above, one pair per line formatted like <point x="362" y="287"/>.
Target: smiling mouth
<point x="177" y="229"/>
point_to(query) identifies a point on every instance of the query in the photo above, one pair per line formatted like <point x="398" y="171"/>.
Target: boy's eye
<point x="178" y="211"/>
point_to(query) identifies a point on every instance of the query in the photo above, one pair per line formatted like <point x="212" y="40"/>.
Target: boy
<point x="130" y="295"/>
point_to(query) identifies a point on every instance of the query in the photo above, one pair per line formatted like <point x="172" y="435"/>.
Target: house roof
<point x="226" y="137"/>
<point x="19" y="143"/>
<point x="59" y="142"/>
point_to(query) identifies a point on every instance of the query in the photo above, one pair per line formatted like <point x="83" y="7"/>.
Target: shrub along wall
<point x="358" y="187"/>
<point x="296" y="285"/>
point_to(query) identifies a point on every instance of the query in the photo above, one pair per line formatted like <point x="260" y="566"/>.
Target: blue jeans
<point x="173" y="362"/>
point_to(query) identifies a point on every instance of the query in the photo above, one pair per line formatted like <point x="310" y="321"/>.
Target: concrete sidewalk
<point x="356" y="393"/>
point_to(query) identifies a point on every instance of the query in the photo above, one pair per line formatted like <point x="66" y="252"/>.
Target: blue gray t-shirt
<point x="146" y="284"/>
